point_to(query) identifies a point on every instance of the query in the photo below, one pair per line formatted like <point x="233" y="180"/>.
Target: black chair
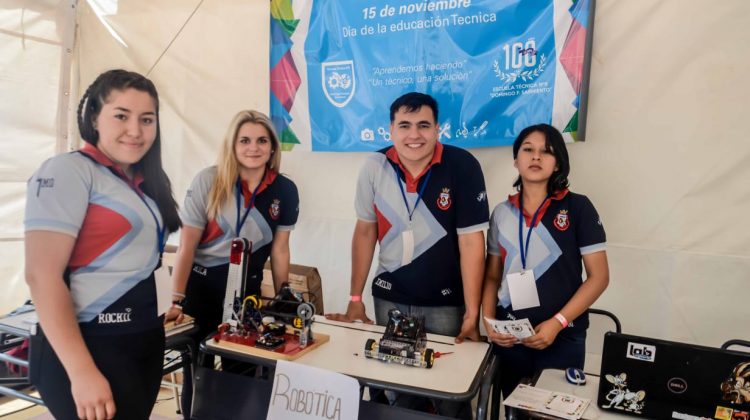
<point x="600" y="322"/>
<point x="179" y="353"/>
<point x="221" y="395"/>
<point x="737" y="343"/>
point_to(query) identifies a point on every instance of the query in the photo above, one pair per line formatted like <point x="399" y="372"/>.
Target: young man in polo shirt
<point x="425" y="203"/>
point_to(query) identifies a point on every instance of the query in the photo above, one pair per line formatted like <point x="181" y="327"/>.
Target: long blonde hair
<point x="227" y="166"/>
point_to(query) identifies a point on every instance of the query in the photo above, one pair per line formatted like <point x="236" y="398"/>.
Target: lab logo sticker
<point x="561" y="222"/>
<point x="275" y="209"/>
<point x="444" y="200"/>
<point x="643" y="352"/>
<point x="338" y="82"/>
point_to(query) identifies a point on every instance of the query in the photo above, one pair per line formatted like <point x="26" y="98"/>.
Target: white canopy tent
<point x="665" y="160"/>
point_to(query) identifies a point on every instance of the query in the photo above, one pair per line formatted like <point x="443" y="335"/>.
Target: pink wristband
<point x="562" y="319"/>
<point x="355" y="298"/>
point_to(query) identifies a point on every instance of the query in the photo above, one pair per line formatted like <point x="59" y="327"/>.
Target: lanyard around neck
<point x="525" y="251"/>
<point x="241" y="221"/>
<point x="160" y="231"/>
<point x="419" y="195"/>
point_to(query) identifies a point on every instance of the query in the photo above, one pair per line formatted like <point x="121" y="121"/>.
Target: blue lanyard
<point x="419" y="196"/>
<point x="160" y="231"/>
<point x="525" y="251"/>
<point x="241" y="222"/>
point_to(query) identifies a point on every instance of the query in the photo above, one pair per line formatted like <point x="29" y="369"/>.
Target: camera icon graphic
<point x="367" y="135"/>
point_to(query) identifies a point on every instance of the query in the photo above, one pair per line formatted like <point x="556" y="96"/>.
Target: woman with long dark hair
<point x="536" y="243"/>
<point x="96" y="222"/>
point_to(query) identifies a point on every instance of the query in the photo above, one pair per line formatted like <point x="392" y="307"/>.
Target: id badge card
<point x="522" y="288"/>
<point x="407" y="242"/>
<point x="163" y="289"/>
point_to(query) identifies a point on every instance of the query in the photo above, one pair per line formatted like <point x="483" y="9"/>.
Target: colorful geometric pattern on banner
<point x="285" y="79"/>
<point x="494" y="66"/>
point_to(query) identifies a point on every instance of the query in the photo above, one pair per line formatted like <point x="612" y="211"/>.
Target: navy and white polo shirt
<point x="276" y="207"/>
<point x="567" y="228"/>
<point x="454" y="202"/>
<point x="84" y="195"/>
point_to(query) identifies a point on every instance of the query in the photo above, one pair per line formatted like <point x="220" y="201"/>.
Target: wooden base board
<point x="290" y="351"/>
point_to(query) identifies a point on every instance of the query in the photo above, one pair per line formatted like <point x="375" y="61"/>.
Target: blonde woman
<point x="244" y="195"/>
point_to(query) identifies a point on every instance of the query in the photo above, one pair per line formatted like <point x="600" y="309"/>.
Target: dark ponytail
<point x="156" y="184"/>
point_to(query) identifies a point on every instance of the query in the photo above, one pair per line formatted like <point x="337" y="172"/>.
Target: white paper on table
<point x="555" y="403"/>
<point x="304" y="392"/>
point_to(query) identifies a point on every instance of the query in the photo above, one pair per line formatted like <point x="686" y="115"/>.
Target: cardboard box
<point x="302" y="279"/>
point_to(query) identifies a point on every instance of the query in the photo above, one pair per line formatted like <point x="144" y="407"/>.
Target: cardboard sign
<point x="304" y="392"/>
<point x="303" y="279"/>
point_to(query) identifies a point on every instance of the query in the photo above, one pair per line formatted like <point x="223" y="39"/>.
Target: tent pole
<point x="65" y="139"/>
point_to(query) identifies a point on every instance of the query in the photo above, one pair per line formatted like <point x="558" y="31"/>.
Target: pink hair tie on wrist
<point x="355" y="298"/>
<point x="562" y="319"/>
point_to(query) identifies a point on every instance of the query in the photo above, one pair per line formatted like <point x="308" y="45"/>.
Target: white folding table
<point x="458" y="376"/>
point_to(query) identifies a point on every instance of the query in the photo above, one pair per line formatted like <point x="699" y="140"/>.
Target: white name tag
<point x="522" y="288"/>
<point x="407" y="242"/>
<point x="163" y="289"/>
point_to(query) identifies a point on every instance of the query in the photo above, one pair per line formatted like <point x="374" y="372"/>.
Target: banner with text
<point x="494" y="66"/>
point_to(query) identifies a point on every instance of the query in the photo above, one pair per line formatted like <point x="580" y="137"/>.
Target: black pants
<point x="204" y="301"/>
<point x="132" y="364"/>
<point x="205" y="296"/>
<point x="518" y="362"/>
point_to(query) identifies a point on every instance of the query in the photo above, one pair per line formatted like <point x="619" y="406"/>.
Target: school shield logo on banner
<point x="338" y="82"/>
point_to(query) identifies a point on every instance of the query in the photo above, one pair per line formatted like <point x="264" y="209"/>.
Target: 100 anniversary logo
<point x="521" y="61"/>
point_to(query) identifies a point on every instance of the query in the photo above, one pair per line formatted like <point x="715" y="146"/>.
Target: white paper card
<point x="554" y="403"/>
<point x="304" y="392"/>
<point x="522" y="287"/>
<point x="407" y="242"/>
<point x="520" y="328"/>
<point x="163" y="289"/>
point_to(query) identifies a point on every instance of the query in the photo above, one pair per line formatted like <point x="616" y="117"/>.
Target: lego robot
<point x="404" y="341"/>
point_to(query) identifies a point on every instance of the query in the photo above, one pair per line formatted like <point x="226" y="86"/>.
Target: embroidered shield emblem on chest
<point x="561" y="222"/>
<point x="444" y="199"/>
<point x="275" y="209"/>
